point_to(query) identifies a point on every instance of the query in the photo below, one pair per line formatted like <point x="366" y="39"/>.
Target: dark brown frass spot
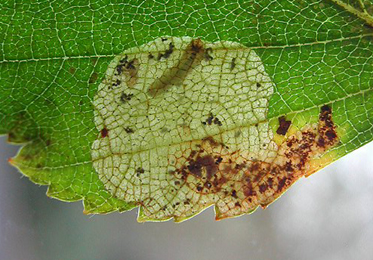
<point x="139" y="171"/>
<point x="116" y="83"/>
<point x="327" y="133"/>
<point x="129" y="130"/>
<point x="283" y="126"/>
<point x="212" y="119"/>
<point x="130" y="68"/>
<point x="168" y="52"/>
<point x="104" y="132"/>
<point x="207" y="55"/>
<point x="125" y="97"/>
<point x="233" y="63"/>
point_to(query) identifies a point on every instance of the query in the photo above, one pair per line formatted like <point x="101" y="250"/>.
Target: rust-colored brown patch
<point x="283" y="126"/>
<point x="93" y="77"/>
<point x="211" y="168"/>
<point x="72" y="70"/>
<point x="104" y="132"/>
<point x="191" y="57"/>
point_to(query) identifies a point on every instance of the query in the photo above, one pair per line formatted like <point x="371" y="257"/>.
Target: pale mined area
<point x="183" y="126"/>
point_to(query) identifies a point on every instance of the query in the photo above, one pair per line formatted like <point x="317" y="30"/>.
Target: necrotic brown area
<point x="104" y="132"/>
<point x="211" y="168"/>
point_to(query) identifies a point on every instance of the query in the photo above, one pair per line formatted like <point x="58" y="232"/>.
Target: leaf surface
<point x="239" y="146"/>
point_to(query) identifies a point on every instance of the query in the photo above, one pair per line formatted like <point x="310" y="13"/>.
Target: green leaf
<point x="225" y="103"/>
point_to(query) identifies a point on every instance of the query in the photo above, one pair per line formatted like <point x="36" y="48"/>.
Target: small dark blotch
<point x="131" y="64"/>
<point x="281" y="184"/>
<point x="326" y="108"/>
<point x="283" y="126"/>
<point x="270" y="182"/>
<point x="262" y="187"/>
<point x="93" y="77"/>
<point x="139" y="171"/>
<point x="129" y="130"/>
<point x="258" y="85"/>
<point x="234" y="194"/>
<point x="125" y="97"/>
<point x="209" y="119"/>
<point x="94" y="61"/>
<point x="368" y="26"/>
<point x="177" y="183"/>
<point x="124" y="60"/>
<point x="150" y="56"/>
<point x="196" y="46"/>
<point x="164" y="39"/>
<point x="72" y="70"/>
<point x="116" y="83"/>
<point x="104" y="132"/>
<point x="237" y="133"/>
<point x="164" y="130"/>
<point x="289" y="167"/>
<point x="167" y="53"/>
<point x="217" y="121"/>
<point x="199" y="188"/>
<point x="233" y="63"/>
<point x="219" y="160"/>
<point x="120" y="69"/>
<point x="331" y="135"/>
<point x="237" y="204"/>
<point x="207" y="55"/>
